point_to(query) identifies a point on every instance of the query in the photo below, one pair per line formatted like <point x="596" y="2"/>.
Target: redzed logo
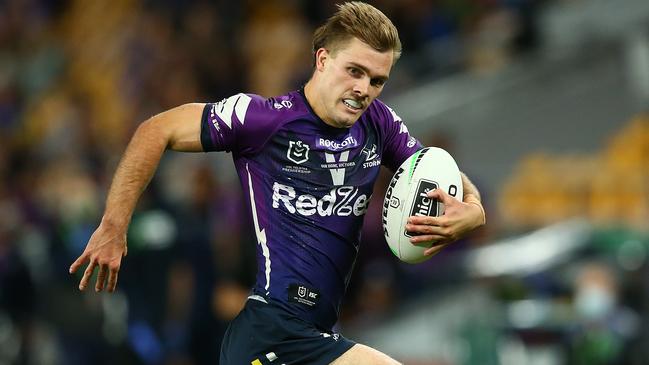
<point x="342" y="201"/>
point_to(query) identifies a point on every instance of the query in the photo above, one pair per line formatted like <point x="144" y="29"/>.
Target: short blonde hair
<point x="360" y="20"/>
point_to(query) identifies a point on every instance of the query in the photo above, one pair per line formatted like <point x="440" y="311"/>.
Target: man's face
<point x="348" y="80"/>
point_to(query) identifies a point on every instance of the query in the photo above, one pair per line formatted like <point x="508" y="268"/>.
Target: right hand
<point x="105" y="250"/>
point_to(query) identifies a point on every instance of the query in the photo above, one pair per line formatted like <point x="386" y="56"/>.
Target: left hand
<point x="458" y="219"/>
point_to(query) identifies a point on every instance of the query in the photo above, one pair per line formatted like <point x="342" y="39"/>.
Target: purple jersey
<point x="307" y="186"/>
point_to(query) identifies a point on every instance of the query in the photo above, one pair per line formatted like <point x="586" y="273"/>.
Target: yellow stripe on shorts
<point x="256" y="362"/>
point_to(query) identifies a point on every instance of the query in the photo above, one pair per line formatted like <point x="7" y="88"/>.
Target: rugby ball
<point x="427" y="169"/>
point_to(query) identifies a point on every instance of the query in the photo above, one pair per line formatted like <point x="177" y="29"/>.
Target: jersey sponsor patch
<point x="326" y="144"/>
<point x="298" y="293"/>
<point x="342" y="201"/>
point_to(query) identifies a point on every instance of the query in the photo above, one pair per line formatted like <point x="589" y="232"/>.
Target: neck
<point x="316" y="103"/>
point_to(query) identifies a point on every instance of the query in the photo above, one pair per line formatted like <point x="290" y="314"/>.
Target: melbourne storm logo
<point x="371" y="159"/>
<point x="298" y="152"/>
<point x="370" y="152"/>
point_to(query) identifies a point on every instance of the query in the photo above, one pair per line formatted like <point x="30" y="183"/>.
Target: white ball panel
<point x="427" y="169"/>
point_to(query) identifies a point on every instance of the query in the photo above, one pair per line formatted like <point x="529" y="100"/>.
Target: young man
<point x="307" y="162"/>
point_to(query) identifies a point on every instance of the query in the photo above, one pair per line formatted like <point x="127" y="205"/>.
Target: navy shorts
<point x="265" y="334"/>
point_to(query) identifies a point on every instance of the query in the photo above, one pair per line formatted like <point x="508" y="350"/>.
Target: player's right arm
<point x="178" y="129"/>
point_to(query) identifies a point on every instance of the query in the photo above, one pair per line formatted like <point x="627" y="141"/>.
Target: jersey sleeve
<point x="242" y="124"/>
<point x="398" y="143"/>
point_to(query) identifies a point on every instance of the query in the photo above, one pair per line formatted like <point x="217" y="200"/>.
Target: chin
<point x="346" y="123"/>
<point x="347" y="120"/>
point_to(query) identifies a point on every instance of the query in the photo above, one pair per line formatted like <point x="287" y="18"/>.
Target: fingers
<point x="87" y="275"/>
<point x="421" y="229"/>
<point x="443" y="229"/>
<point x="435" y="248"/>
<point x="110" y="270"/>
<point x="101" y="278"/>
<point x="112" y="279"/>
<point x="425" y="240"/>
<point x="426" y="229"/>
<point x="426" y="220"/>
<point x="77" y="263"/>
<point x="104" y="270"/>
<point x="105" y="250"/>
<point x="440" y="195"/>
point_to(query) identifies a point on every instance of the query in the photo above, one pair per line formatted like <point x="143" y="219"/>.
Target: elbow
<point x="153" y="131"/>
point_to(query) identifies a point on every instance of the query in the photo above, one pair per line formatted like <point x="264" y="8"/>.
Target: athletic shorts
<point x="265" y="334"/>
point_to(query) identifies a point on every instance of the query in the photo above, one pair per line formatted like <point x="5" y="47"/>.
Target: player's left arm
<point x="460" y="217"/>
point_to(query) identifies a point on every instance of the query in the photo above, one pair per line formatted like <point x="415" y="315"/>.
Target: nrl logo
<point x="301" y="291"/>
<point x="298" y="152"/>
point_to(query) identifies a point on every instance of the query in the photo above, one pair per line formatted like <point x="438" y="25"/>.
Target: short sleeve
<point x="398" y="143"/>
<point x="241" y="123"/>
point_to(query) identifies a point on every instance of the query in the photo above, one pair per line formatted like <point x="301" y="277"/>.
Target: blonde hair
<point x="360" y="20"/>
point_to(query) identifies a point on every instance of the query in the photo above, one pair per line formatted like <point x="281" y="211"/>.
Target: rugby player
<point x="307" y="162"/>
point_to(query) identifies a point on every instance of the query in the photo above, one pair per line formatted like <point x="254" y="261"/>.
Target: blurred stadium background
<point x="545" y="104"/>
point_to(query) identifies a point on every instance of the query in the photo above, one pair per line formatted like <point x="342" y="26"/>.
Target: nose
<point x="362" y="86"/>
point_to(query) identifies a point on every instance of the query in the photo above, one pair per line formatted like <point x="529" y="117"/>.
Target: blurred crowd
<point x="596" y="304"/>
<point x="76" y="78"/>
<point x="610" y="186"/>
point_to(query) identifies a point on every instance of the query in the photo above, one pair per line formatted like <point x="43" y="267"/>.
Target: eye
<point x="355" y="72"/>
<point x="377" y="82"/>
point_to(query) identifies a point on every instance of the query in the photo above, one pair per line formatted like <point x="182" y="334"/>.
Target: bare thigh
<point x="364" y="355"/>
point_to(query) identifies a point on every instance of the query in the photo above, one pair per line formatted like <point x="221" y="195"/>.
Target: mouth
<point x="353" y="104"/>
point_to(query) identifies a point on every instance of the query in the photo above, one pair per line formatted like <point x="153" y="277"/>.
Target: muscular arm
<point x="177" y="129"/>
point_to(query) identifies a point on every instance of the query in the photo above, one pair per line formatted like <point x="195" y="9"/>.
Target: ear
<point x="321" y="56"/>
